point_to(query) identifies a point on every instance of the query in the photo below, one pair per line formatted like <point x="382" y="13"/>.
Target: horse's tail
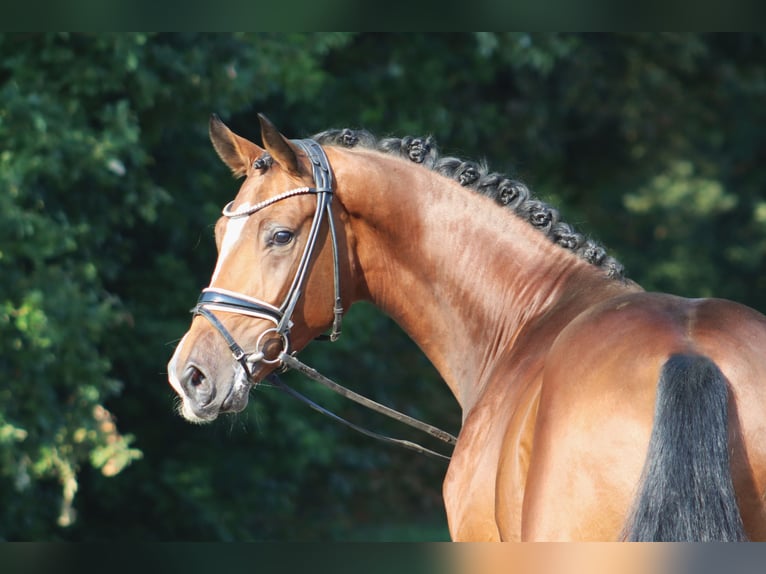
<point x="686" y="491"/>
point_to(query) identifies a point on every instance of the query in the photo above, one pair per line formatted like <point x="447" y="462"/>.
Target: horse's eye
<point x="282" y="237"/>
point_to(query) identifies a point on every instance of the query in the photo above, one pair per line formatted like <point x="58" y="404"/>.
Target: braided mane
<point x="506" y="191"/>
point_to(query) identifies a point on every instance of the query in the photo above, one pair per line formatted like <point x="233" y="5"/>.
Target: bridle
<point x="214" y="299"/>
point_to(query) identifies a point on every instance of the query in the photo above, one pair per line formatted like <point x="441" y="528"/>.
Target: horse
<point x="592" y="410"/>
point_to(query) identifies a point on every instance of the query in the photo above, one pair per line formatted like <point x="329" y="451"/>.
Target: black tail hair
<point x="686" y="491"/>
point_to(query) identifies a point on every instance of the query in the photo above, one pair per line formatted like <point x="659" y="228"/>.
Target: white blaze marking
<point x="234" y="229"/>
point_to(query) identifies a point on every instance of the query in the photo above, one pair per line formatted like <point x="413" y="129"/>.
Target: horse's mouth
<point x="237" y="398"/>
<point x="231" y="404"/>
<point x="235" y="401"/>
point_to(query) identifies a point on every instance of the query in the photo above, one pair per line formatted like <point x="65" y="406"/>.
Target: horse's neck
<point x="461" y="275"/>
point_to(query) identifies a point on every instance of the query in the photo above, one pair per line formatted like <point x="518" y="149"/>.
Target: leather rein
<point x="214" y="299"/>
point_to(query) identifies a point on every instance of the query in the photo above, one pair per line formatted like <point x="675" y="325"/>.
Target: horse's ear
<point x="281" y="149"/>
<point x="235" y="151"/>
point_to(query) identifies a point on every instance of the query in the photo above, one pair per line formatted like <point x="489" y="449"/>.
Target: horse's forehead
<point x="232" y="232"/>
<point x="256" y="188"/>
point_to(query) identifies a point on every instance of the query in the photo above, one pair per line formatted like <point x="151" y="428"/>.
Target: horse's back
<point x="597" y="404"/>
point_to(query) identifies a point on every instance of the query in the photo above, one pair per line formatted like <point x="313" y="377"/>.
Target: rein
<point x="291" y="362"/>
<point x="215" y="299"/>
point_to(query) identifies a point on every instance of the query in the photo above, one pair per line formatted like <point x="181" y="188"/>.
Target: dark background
<point x="652" y="143"/>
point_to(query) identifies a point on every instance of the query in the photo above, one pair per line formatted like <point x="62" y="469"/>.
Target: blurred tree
<point x="110" y="190"/>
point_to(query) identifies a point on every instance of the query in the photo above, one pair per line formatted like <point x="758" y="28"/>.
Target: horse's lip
<point x="226" y="402"/>
<point x="238" y="393"/>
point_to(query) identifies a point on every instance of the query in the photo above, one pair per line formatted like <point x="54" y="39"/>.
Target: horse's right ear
<point x="235" y="151"/>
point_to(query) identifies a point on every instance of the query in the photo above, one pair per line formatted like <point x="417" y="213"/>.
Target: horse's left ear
<point x="235" y="151"/>
<point x="282" y="150"/>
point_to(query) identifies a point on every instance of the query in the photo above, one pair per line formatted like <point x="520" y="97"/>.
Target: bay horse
<point x="591" y="409"/>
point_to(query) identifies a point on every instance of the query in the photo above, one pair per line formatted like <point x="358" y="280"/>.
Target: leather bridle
<point x="214" y="299"/>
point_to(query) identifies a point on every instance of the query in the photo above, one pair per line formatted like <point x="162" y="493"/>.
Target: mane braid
<point x="508" y="192"/>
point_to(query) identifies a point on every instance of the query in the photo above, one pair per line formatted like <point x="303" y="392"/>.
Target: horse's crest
<point x="506" y="191"/>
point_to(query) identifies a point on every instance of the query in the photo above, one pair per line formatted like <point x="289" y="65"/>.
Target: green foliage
<point x="108" y="193"/>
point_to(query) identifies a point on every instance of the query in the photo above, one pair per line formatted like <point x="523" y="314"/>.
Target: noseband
<point x="214" y="299"/>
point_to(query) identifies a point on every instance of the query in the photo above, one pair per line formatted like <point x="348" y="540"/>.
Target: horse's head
<point x="276" y="282"/>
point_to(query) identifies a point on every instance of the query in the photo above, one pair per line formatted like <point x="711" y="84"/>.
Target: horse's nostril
<point x="197" y="391"/>
<point x="196" y="378"/>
